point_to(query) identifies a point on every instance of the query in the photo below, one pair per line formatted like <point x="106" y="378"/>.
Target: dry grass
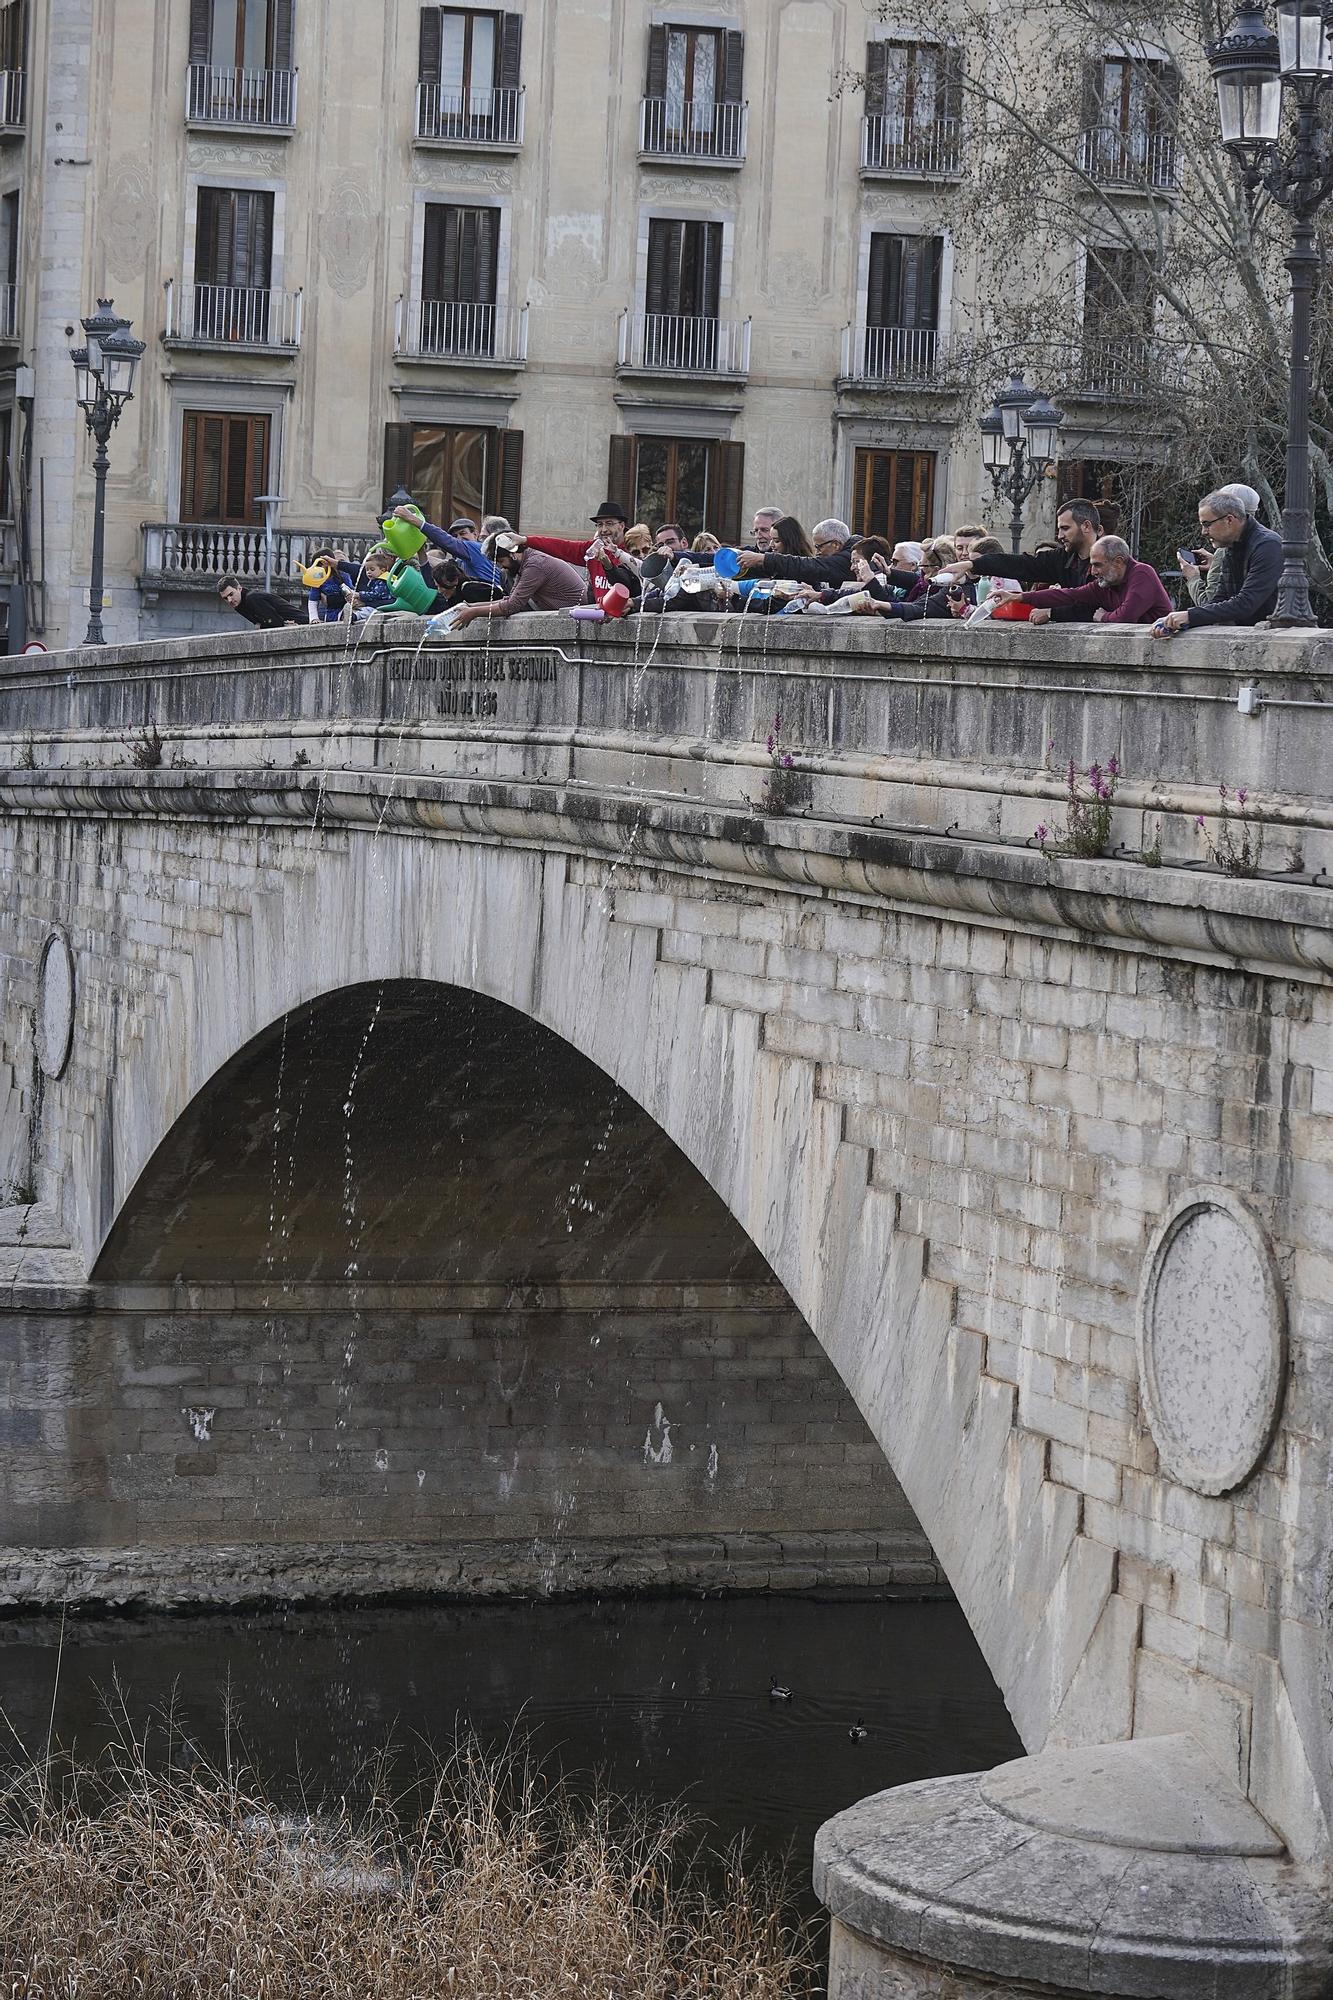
<point x="129" y="1882"/>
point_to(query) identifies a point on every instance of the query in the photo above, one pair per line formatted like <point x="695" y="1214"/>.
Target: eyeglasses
<point x="1212" y="520"/>
<point x="825" y="543"/>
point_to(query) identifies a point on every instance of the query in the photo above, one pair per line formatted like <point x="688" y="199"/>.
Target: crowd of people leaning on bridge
<point x="477" y="570"/>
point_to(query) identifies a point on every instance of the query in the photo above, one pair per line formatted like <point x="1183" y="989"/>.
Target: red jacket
<point x="1136" y="600"/>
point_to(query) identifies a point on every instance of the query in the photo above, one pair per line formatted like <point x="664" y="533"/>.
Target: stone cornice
<point x="1260" y="924"/>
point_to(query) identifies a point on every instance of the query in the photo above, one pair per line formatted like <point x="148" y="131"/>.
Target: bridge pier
<point x="1126" y="1869"/>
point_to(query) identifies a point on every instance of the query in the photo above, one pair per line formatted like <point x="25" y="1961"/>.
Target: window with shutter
<point x="1130" y="120"/>
<point x="505" y="488"/>
<point x="682" y="294"/>
<point x="913" y="106"/>
<point x="902" y="306"/>
<point x="695" y="482"/>
<point x="233" y="259"/>
<point x="224" y="466"/>
<point x="459" y="271"/>
<point x="1119" y="301"/>
<point x="893" y="494"/>
<point x="452" y="469"/>
<point x="14" y="35"/>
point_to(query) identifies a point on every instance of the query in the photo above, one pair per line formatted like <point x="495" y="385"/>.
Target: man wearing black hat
<point x="606" y="545"/>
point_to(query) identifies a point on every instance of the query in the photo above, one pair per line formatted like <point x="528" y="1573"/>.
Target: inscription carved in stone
<point x="55" y="1004"/>
<point x="1212" y="1342"/>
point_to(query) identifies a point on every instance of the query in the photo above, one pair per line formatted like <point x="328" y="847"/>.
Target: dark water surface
<point x="664" y="1698"/>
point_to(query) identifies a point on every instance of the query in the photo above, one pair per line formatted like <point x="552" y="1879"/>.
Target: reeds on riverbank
<point x="129" y="1881"/>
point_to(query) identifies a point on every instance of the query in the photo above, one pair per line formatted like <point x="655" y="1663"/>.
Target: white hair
<point x="768" y="513"/>
<point x="914" y="551"/>
<point x="830" y="531"/>
<point x="495" y="524"/>
<point x="1224" y="500"/>
<point x="1114" y="546"/>
<point x="1247" y="496"/>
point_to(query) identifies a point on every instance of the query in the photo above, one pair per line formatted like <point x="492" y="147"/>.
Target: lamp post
<point x="104" y="372"/>
<point x="1020" y="435"/>
<point x="1253" y="68"/>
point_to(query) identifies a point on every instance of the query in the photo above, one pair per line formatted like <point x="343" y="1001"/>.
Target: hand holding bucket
<point x="727" y="563"/>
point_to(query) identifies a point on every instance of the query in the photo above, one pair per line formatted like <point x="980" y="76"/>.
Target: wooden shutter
<point x="214" y="238"/>
<point x="201" y="31"/>
<point x="878" y="280"/>
<point x="950" y="102"/>
<point x="504" y="476"/>
<point x="487" y="231"/>
<point x="282" y="34"/>
<point x="877" y="59"/>
<point x="510" y="62"/>
<point x="1093" y="72"/>
<point x="657" y="63"/>
<point x="623" y="472"/>
<point x="726" y="480"/>
<point x="397" y="459"/>
<point x="254" y="240"/>
<point x="471" y="249"/>
<point x="733" y="67"/>
<point x="661" y="294"/>
<point x="428" y="57"/>
<point x="439" y="250"/>
<point x="707" y="268"/>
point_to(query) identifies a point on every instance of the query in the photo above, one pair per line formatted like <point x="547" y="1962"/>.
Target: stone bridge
<point x="443" y="1107"/>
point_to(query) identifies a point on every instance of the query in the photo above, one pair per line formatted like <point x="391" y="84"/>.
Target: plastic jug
<point x="404" y="537"/>
<point x="411" y="592"/>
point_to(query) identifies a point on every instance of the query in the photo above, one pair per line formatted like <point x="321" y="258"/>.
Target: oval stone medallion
<point x="55" y="1004"/>
<point x="1212" y="1341"/>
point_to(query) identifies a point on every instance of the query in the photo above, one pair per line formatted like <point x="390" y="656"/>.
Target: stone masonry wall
<point x="184" y="1431"/>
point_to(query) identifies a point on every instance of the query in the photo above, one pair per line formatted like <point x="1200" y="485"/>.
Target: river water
<point x="664" y="1698"/>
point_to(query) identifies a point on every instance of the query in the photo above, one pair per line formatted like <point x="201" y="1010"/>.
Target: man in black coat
<point x="260" y="607"/>
<point x="1077" y="526"/>
<point x="1251" y="569"/>
<point x="829" y="566"/>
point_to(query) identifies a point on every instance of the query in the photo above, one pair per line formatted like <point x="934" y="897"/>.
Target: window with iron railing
<point x="1130" y="113"/>
<point x="241" y="63"/>
<point x="459" y="270"/>
<point x="9" y="264"/>
<point x="1119" y="304"/>
<point x="681" y="294"/>
<point x="13" y="61"/>
<point x="693" y="104"/>
<point x="914" y="108"/>
<point x="233" y="266"/>
<point x="468" y="77"/>
<point x="901" y="334"/>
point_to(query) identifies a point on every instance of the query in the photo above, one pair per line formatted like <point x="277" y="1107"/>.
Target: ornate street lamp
<point x="1253" y="68"/>
<point x="104" y="373"/>
<point x="1020" y="435"/>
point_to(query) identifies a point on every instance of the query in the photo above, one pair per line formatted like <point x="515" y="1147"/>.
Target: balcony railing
<point x="247" y="316"/>
<point x="13" y="93"/>
<point x="250" y="97"/>
<point x="196" y="554"/>
<point x="677" y="344"/>
<point x="487" y="119"/>
<point x="671" y="130"/>
<point x="460" y="330"/>
<point x="1126" y="369"/>
<point x="892" y="353"/>
<point x="1129" y="159"/>
<point x="891" y="146"/>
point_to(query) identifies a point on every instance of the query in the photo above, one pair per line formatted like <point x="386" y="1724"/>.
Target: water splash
<point x="662" y="1453"/>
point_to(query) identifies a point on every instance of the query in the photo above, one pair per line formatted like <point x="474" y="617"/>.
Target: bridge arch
<point x="712" y="1006"/>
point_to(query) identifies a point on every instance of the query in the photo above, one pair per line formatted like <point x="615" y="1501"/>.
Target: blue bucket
<point x="727" y="563"/>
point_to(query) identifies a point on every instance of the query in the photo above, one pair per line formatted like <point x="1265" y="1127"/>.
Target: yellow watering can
<point x="317" y="574"/>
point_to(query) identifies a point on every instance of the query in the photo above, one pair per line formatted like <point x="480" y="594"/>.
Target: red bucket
<point x="616" y="601"/>
<point x="1015" y="612"/>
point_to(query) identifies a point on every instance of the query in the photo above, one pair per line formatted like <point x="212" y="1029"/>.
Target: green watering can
<point x="411" y="591"/>
<point x="404" y="537"/>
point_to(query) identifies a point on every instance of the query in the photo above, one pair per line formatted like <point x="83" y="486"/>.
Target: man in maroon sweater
<point x="1120" y="591"/>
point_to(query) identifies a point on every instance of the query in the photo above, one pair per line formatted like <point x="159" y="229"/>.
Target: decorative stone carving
<point x="55" y="1004"/>
<point x="445" y="173"/>
<point x="344" y="232"/>
<point x="689" y="187"/>
<point x="252" y="159"/>
<point x="1212" y="1341"/>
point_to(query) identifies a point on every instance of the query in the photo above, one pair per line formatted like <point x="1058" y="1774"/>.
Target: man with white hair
<point x="762" y="526"/>
<point x="1203" y="576"/>
<point x="1119" y="591"/>
<point x="829" y="566"/>
<point x="1251" y="558"/>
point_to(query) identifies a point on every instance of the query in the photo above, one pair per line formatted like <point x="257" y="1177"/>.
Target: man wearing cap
<point x="461" y="543"/>
<point x="607" y="545"/>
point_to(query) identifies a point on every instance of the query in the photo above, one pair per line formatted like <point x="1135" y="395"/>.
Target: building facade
<point x="508" y="260"/>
